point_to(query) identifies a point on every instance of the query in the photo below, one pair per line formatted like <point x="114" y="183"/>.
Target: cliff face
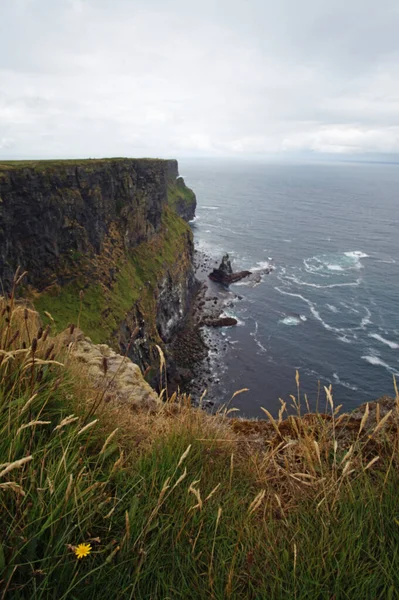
<point x="180" y="197"/>
<point x="111" y="228"/>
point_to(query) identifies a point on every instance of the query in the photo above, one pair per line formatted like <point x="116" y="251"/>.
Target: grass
<point x="181" y="504"/>
<point x="104" y="307"/>
<point x="180" y="195"/>
<point x="44" y="165"/>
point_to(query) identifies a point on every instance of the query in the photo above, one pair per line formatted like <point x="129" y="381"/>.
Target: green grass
<point x="45" y="165"/>
<point x="179" y="517"/>
<point x="103" y="309"/>
<point x="180" y="195"/>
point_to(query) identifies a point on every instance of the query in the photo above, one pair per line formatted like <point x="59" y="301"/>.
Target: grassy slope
<point x="185" y="513"/>
<point x="179" y="193"/>
<point x="105" y="303"/>
<point x="103" y="307"/>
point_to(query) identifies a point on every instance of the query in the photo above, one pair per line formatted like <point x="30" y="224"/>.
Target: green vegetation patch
<point x="180" y="195"/>
<point x="190" y="514"/>
<point x="45" y="165"/>
<point x="102" y="308"/>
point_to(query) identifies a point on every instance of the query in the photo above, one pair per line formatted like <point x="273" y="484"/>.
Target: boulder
<point x="220" y="322"/>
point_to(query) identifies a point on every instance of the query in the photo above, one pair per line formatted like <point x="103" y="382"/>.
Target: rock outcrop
<point x="116" y="376"/>
<point x="220" y="322"/>
<point x="104" y="245"/>
<point x="180" y="197"/>
<point x="54" y="212"/>
<point x="224" y="274"/>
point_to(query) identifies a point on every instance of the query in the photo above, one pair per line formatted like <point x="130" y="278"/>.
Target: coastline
<point x="200" y="348"/>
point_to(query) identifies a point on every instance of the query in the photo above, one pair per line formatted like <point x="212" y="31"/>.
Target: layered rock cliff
<point x="110" y="228"/>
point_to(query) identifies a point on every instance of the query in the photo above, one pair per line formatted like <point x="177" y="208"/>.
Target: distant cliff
<point x="111" y="228"/>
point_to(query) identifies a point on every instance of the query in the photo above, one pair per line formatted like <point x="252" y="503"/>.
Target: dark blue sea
<point x="330" y="307"/>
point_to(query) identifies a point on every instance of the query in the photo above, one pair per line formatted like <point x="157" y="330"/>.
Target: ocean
<point x="329" y="309"/>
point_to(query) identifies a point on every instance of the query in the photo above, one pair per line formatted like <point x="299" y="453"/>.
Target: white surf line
<point x="383" y="340"/>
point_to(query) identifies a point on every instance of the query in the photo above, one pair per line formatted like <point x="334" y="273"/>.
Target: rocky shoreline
<point x="199" y="347"/>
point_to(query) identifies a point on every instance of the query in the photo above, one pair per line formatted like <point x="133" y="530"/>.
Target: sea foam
<point x="383" y="340"/>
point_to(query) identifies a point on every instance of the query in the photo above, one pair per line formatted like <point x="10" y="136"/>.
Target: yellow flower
<point x="82" y="550"/>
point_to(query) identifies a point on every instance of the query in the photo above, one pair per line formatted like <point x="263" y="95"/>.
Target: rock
<point x="118" y="375"/>
<point x="224" y="274"/>
<point x="225" y="266"/>
<point x="186" y="375"/>
<point x="220" y="322"/>
<point x="77" y="222"/>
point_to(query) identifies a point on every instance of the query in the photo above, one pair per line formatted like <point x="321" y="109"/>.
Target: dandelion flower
<point x="82" y="550"/>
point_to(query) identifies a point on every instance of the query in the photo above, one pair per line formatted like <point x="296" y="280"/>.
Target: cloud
<point x="345" y="140"/>
<point x="95" y="78"/>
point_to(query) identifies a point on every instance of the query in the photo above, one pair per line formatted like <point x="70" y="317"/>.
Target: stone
<point x="220" y="322"/>
<point x="123" y="380"/>
<point x="224" y="273"/>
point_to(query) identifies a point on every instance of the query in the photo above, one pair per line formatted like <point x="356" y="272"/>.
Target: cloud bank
<point x="218" y="78"/>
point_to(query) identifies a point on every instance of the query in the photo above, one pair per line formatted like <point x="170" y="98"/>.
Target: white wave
<point x="194" y="219"/>
<point x="254" y="334"/>
<point x="312" y="269"/>
<point x="262" y="348"/>
<point x="389" y="261"/>
<point x="313" y="310"/>
<point x="350" y="308"/>
<point x="287" y="241"/>
<point x="367" y="319"/>
<point x="356" y="254"/>
<point x="290" y="321"/>
<point x="262" y="265"/>
<point x="319" y="285"/>
<point x="345" y="339"/>
<point x="376" y="360"/>
<point x="323" y="264"/>
<point x="209" y="207"/>
<point x="344" y="383"/>
<point x="333" y="308"/>
<point x="389" y="343"/>
<point x="243" y="283"/>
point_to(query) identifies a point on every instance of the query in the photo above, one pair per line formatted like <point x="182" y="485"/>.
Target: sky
<point x="181" y="78"/>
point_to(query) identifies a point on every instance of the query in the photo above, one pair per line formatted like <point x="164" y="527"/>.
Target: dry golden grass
<point x="291" y="455"/>
<point x="209" y="498"/>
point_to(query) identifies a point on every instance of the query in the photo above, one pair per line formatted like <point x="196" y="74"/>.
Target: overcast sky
<point x="198" y="77"/>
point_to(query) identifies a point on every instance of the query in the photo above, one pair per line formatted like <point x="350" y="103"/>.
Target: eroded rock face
<point x="53" y="212"/>
<point x="180" y="197"/>
<point x="117" y="375"/>
<point x="109" y="228"/>
<point x="224" y="274"/>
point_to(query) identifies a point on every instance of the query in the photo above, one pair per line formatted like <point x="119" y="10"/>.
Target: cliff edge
<point x="105" y="244"/>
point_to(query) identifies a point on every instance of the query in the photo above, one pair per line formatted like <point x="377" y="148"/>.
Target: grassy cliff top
<point x="101" y="500"/>
<point x="72" y="162"/>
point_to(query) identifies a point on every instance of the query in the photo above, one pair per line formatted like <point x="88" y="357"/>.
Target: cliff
<point x="111" y="228"/>
<point x="180" y="197"/>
